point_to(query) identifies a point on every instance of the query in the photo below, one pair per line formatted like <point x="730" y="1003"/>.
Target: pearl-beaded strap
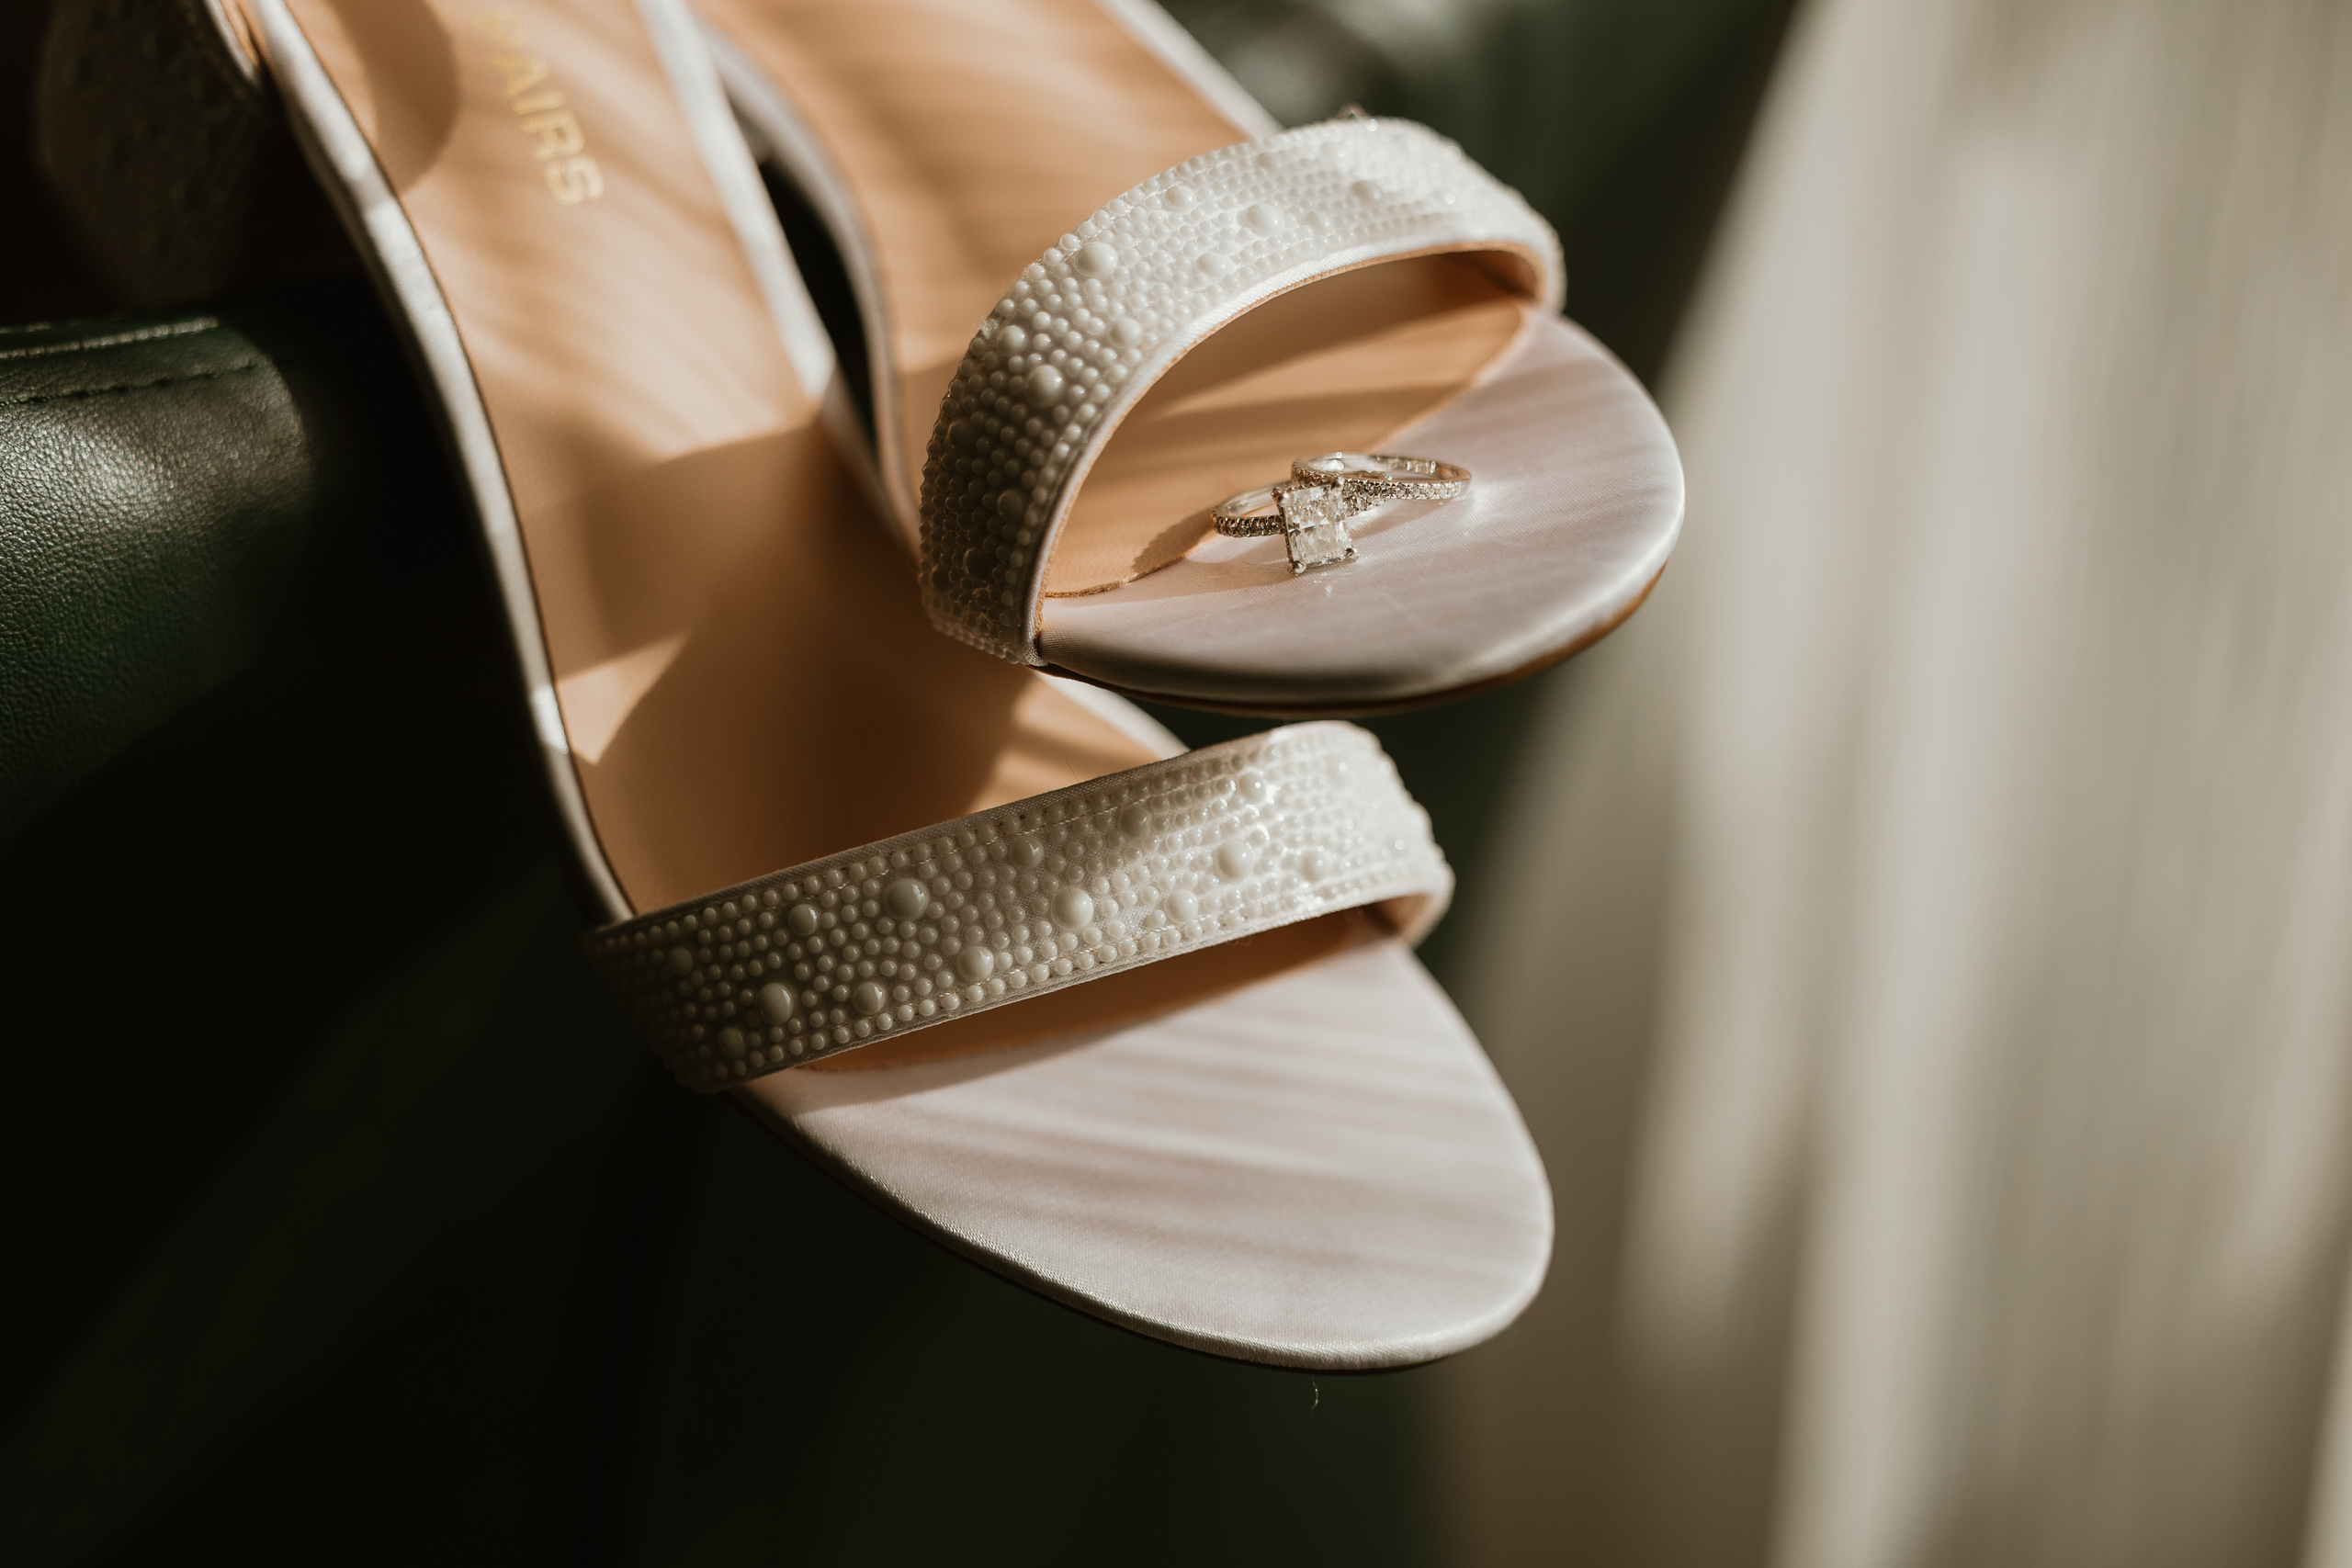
<point x="1214" y="845"/>
<point x="1089" y="325"/>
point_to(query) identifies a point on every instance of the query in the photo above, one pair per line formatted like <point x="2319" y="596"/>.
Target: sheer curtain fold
<point x="1925" y="944"/>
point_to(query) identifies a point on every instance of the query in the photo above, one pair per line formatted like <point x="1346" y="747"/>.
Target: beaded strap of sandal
<point x="1216" y="846"/>
<point x="1095" y="322"/>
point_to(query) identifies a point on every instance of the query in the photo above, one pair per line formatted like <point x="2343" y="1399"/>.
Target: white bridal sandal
<point x="1104" y="295"/>
<point x="1139" y="1029"/>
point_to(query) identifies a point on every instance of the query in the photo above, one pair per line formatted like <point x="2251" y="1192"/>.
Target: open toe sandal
<point x="1139" y="1029"/>
<point x="1114" y="317"/>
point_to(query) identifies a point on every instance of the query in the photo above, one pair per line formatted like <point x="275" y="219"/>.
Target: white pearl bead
<point x="1097" y="260"/>
<point x="907" y="899"/>
<point x="1024" y="855"/>
<point x="1265" y="217"/>
<point x="1044" y="384"/>
<point x="870" y="998"/>
<point x="731" y="1039"/>
<point x="682" y="961"/>
<point x="802" y="919"/>
<point x="776" y="1001"/>
<point x="1182" y="907"/>
<point x="1072" y="907"/>
<point x="1234" y="859"/>
<point x="975" y="963"/>
<point x="1135" y="821"/>
<point x="1127" y="332"/>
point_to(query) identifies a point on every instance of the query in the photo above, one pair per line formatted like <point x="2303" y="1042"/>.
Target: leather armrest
<point x="174" y="487"/>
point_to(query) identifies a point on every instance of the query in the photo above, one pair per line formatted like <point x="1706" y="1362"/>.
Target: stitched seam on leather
<point x="112" y="340"/>
<point x="138" y="385"/>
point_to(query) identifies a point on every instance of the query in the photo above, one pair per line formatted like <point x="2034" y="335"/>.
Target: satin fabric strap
<point x="1089" y="326"/>
<point x="1057" y="890"/>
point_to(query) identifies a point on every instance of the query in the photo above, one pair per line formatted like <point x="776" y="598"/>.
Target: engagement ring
<point x="1312" y="507"/>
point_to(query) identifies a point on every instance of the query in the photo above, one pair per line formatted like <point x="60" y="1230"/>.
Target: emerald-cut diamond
<point x="1314" y="525"/>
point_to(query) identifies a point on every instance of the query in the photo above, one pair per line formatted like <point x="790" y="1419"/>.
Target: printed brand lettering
<point x="557" y="140"/>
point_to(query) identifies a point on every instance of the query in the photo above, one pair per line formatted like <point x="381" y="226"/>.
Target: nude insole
<point x="738" y="649"/>
<point x="972" y="137"/>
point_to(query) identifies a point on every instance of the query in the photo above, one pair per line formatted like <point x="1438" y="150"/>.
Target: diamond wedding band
<point x="1385" y="476"/>
<point x="1312" y="507"/>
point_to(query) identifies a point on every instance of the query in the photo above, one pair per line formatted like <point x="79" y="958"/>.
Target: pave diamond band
<point x="1312" y="507"/>
<point x="1383" y="476"/>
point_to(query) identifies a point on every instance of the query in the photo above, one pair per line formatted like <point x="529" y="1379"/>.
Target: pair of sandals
<point x="883" y="853"/>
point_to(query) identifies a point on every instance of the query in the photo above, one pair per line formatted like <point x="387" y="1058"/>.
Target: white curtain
<point x="1923" y="938"/>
